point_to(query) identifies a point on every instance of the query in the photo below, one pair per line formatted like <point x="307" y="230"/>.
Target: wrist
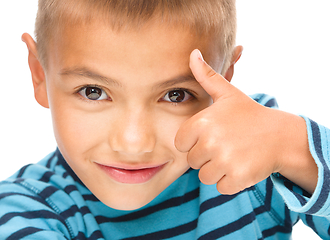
<point x="296" y="161"/>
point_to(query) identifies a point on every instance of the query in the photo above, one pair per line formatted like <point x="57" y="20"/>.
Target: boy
<point x="134" y="107"/>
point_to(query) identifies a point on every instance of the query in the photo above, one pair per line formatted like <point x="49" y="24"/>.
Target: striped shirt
<point x="48" y="201"/>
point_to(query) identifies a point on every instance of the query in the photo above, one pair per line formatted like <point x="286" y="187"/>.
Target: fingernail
<point x="200" y="56"/>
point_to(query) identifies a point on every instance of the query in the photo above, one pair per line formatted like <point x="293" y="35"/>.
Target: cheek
<point x="76" y="131"/>
<point x="167" y="130"/>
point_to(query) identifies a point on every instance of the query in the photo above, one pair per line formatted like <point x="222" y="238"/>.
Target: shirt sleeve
<point x="26" y="215"/>
<point x="314" y="209"/>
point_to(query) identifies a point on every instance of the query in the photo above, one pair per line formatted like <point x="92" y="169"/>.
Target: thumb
<point x="212" y="82"/>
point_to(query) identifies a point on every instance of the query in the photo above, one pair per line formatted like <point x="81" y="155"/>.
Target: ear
<point x="37" y="72"/>
<point x="236" y="56"/>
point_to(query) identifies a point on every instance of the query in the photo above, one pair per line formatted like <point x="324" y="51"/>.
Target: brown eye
<point x="93" y="93"/>
<point x="177" y="96"/>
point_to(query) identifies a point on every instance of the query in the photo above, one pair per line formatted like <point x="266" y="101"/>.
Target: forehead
<point x="155" y="47"/>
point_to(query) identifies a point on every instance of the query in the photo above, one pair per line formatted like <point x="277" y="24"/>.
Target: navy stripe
<point x="274" y="230"/>
<point x="19" y="181"/>
<point x="260" y="210"/>
<point x="266" y="203"/>
<point x="84" y="210"/>
<point x="219" y="200"/>
<point x="70" y="212"/>
<point x="48" y="191"/>
<point x="271" y="103"/>
<point x="46" y="177"/>
<point x="168" y="233"/>
<point x="230" y="228"/>
<point x="33" y="198"/>
<point x="269" y="194"/>
<point x="80" y="236"/>
<point x="173" y="202"/>
<point x="64" y="164"/>
<point x="214" y="202"/>
<point x="22" y="170"/>
<point x="289" y="185"/>
<point x="24" y="233"/>
<point x="70" y="188"/>
<point x="65" y="175"/>
<point x="288" y="220"/>
<point x="326" y="174"/>
<point x="310" y="222"/>
<point x="96" y="235"/>
<point x="73" y="210"/>
<point x="287" y="228"/>
<point x="90" y="197"/>
<point x="31" y="215"/>
<point x="49" y="162"/>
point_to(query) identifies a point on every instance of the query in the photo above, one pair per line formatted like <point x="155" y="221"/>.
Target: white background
<point x="286" y="54"/>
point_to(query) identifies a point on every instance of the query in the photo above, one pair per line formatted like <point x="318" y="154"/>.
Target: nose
<point x="133" y="133"/>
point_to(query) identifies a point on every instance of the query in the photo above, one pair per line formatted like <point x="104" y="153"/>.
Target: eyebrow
<point x="177" y="80"/>
<point x="86" y="73"/>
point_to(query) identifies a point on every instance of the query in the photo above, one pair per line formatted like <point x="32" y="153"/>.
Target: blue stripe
<point x="173" y="202"/>
<point x="230" y="228"/>
<point x="168" y="233"/>
<point x="326" y="174"/>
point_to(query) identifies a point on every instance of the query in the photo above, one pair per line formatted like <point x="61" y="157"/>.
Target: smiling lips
<point x="131" y="176"/>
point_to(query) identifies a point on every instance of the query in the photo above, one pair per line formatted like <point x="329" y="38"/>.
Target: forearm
<point x="297" y="163"/>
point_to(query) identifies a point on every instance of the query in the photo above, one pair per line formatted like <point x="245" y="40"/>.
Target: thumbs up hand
<point x="236" y="142"/>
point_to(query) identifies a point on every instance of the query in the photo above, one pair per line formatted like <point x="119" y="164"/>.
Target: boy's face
<point x="117" y="101"/>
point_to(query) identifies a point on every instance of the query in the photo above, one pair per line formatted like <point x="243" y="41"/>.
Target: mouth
<point x="131" y="175"/>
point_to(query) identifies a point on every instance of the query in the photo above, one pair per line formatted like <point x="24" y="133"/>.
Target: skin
<point x="135" y="124"/>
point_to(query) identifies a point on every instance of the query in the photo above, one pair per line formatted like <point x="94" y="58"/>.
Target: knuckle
<point x="178" y="143"/>
<point x="206" y="178"/>
<point x="202" y="122"/>
<point x="223" y="189"/>
<point x="193" y="161"/>
<point x="210" y="73"/>
<point x="228" y="186"/>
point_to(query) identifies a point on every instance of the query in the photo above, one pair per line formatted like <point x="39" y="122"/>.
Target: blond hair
<point x="209" y="18"/>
